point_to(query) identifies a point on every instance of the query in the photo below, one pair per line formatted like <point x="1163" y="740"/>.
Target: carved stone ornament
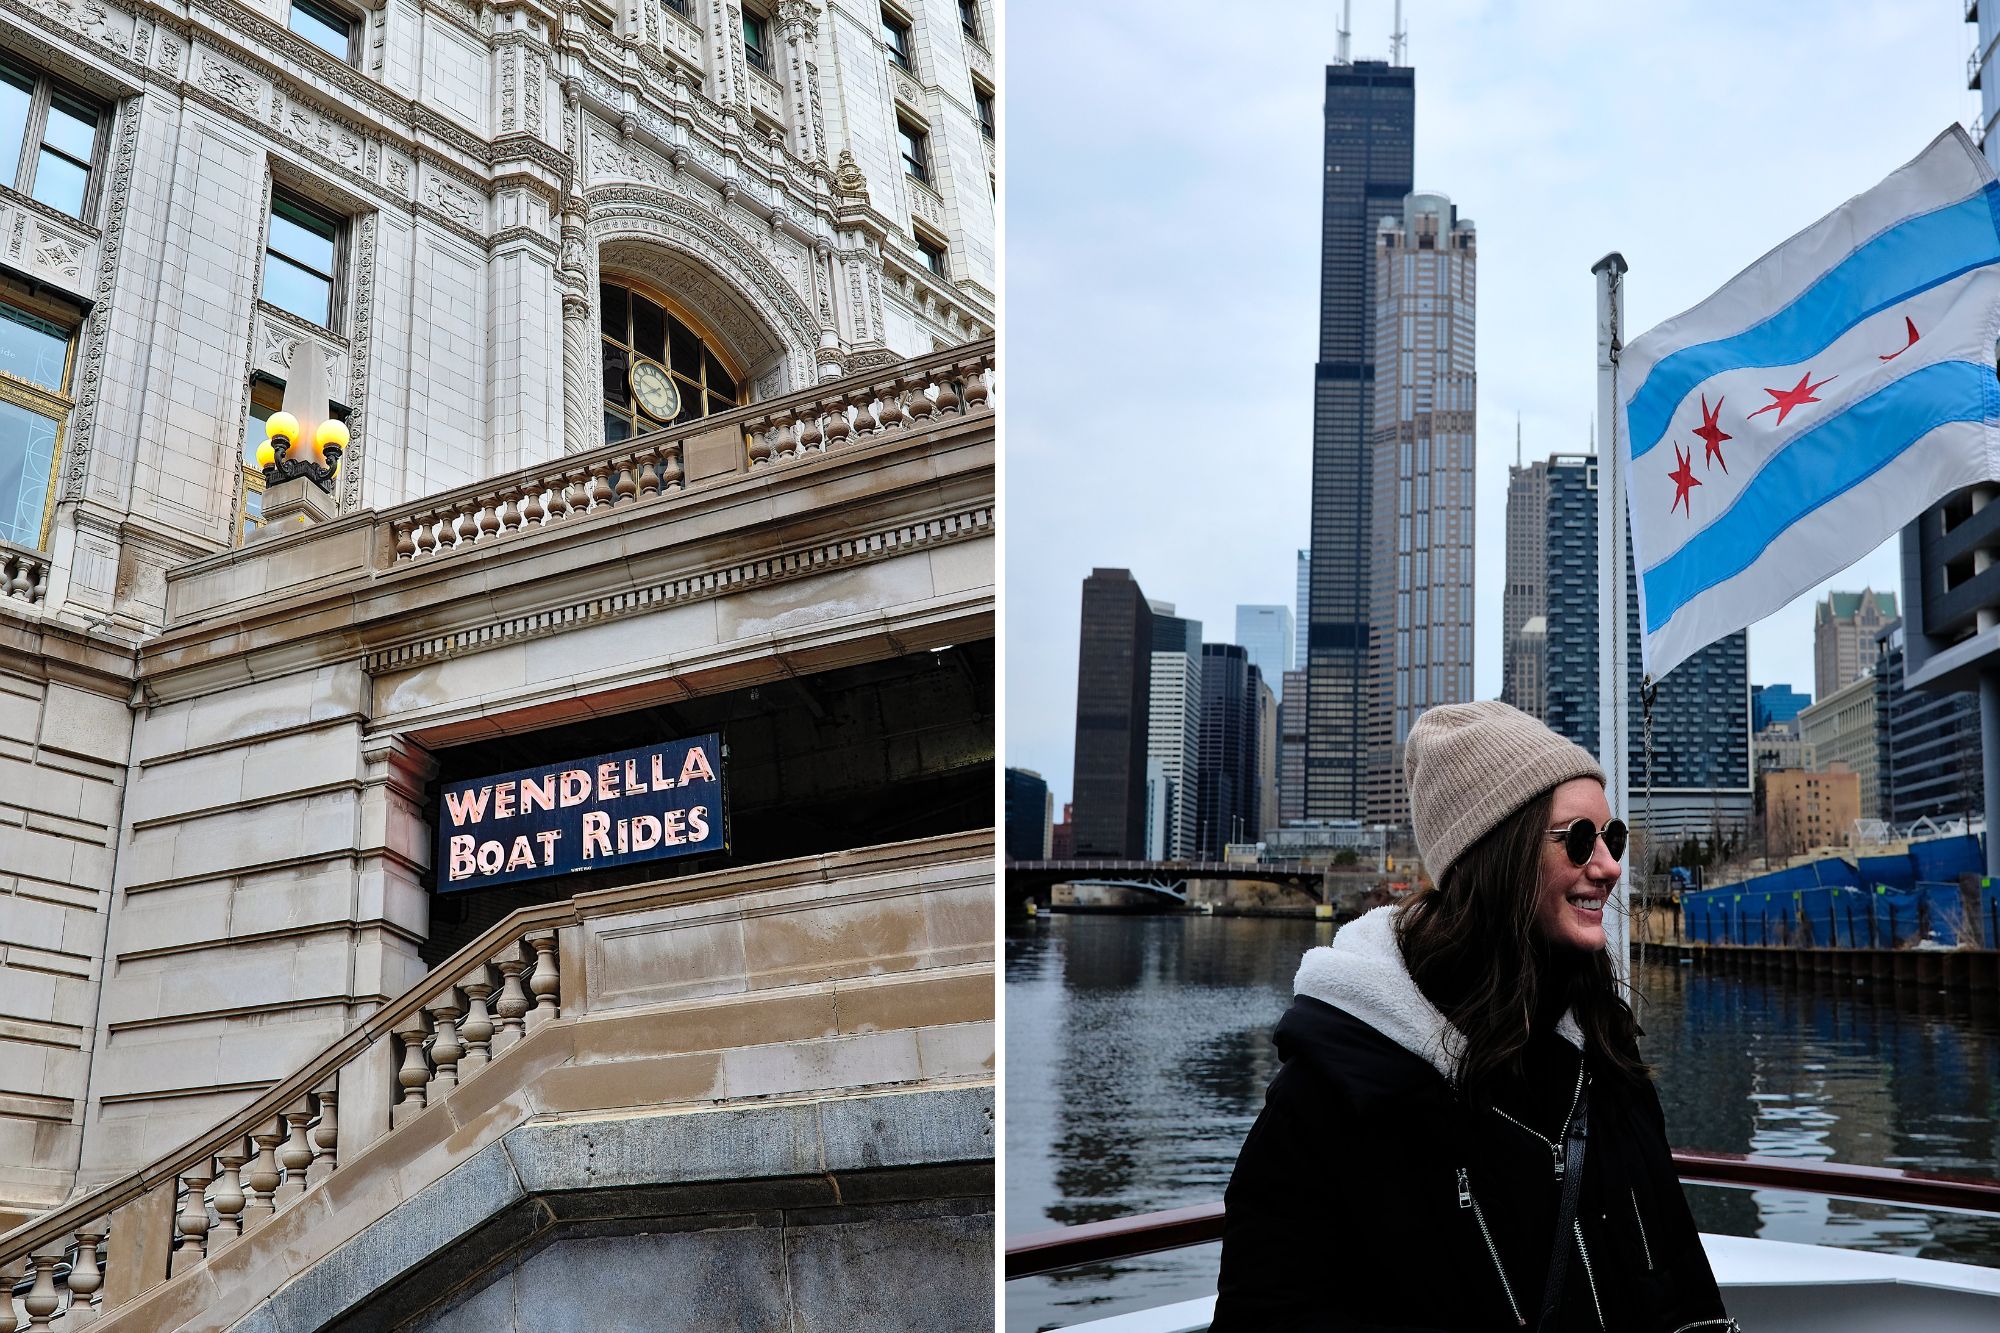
<point x="848" y="178"/>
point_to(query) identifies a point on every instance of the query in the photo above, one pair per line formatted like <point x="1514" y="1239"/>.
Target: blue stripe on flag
<point x="1822" y="464"/>
<point x="1913" y="256"/>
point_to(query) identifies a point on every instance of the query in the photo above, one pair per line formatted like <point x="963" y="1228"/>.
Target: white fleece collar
<point x="1362" y="973"/>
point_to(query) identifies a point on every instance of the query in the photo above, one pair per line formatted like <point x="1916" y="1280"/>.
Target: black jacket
<point x="1370" y="1196"/>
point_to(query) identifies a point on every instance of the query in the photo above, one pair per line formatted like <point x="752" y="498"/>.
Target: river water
<point x="1138" y="1049"/>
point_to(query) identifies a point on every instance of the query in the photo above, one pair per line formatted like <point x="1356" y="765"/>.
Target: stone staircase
<point x="787" y="1065"/>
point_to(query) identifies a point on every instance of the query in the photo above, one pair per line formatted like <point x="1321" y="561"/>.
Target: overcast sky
<point x="1163" y="163"/>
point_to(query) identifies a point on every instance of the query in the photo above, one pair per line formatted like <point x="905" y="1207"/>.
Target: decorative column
<point x="229" y="1198"/>
<point x="445" y="1046"/>
<point x="805" y="133"/>
<point x="513" y="1004"/>
<point x="86" y="1279"/>
<point x="583" y="417"/>
<point x="543" y="983"/>
<point x="325" y="1140"/>
<point x="265" y="1174"/>
<point x="477" y="1029"/>
<point x="192" y="1222"/>
<point x="295" y="1156"/>
<point x="414" y="1074"/>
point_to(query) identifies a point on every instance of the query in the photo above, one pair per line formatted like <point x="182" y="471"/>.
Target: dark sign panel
<point x="637" y="805"/>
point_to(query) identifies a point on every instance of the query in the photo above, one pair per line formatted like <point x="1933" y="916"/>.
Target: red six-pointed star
<point x="1711" y="434"/>
<point x="1684" y="480"/>
<point x="1797" y="396"/>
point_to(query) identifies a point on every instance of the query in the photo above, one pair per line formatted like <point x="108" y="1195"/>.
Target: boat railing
<point x="1149" y="1233"/>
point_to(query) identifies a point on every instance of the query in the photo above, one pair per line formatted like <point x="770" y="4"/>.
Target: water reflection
<point x="1138" y="1050"/>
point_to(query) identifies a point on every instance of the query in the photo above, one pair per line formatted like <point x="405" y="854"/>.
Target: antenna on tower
<point x="1345" y="31"/>
<point x="1517" y="439"/>
<point x="1399" y="40"/>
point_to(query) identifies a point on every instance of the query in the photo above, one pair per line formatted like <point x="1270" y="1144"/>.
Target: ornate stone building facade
<point x="479" y="218"/>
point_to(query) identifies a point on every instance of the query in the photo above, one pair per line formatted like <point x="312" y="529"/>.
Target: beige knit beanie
<point x="1469" y="766"/>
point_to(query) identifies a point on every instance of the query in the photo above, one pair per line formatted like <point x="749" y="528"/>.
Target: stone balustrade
<point x="24" y="574"/>
<point x="227" y="1184"/>
<point x="839" y="414"/>
<point x="849" y="412"/>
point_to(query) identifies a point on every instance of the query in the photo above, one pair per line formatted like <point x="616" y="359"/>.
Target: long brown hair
<point x="1473" y="948"/>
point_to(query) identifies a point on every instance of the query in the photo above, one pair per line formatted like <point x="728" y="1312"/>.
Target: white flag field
<point x="1827" y="395"/>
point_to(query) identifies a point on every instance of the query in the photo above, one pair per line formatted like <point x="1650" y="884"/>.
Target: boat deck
<point x="1771" y="1286"/>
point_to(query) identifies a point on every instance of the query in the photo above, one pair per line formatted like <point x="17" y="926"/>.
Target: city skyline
<point x="1565" y="190"/>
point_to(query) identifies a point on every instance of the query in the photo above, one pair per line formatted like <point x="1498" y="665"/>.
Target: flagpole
<point x="1612" y="705"/>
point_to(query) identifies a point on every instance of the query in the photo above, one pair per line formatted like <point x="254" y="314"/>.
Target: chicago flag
<point x="1826" y="396"/>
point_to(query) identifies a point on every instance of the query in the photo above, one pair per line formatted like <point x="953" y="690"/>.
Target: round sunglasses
<point x="1579" y="839"/>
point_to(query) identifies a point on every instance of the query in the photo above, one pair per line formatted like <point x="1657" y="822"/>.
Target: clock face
<point x="659" y="397"/>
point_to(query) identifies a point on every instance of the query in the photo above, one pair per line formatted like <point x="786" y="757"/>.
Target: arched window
<point x="658" y="367"/>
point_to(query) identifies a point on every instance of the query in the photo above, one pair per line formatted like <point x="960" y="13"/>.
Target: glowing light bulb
<point x="266" y="455"/>
<point x="282" y="426"/>
<point x="332" y="432"/>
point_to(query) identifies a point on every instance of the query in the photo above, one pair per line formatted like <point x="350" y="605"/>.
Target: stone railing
<point x="109" y="1246"/>
<point x="837" y="414"/>
<point x="24" y="574"/>
<point x="95" y="1255"/>
<point x="766" y="96"/>
<point x="852" y="411"/>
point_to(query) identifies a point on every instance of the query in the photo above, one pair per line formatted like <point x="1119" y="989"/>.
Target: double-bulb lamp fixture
<point x="281" y="442"/>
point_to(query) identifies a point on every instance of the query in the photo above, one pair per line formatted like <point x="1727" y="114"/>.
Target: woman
<point x="1460" y="1079"/>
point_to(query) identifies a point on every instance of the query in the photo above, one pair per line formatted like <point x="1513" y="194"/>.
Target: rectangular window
<point x="299" y="259"/>
<point x="968" y="18"/>
<point x="756" y="40"/>
<point x="982" y="101"/>
<point x="916" y="150"/>
<point x="35" y="356"/>
<point x="325" y="27"/>
<point x="934" y="256"/>
<point x="54" y="135"/>
<point x="896" y="36"/>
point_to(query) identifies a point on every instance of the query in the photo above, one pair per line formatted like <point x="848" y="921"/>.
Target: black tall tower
<point x="1370" y="128"/>
<point x="1114" y="681"/>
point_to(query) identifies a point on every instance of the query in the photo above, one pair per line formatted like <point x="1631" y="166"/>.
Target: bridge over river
<point x="1166" y="879"/>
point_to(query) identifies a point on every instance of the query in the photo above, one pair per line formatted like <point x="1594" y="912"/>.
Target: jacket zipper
<point x="1644" y="1244"/>
<point x="1576" y="1224"/>
<point x="1555" y="1148"/>
<point x="1465" y="1200"/>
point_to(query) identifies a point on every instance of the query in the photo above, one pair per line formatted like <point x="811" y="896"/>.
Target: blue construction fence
<point x="1876" y="902"/>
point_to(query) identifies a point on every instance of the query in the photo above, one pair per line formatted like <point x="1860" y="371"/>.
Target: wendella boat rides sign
<point x="636" y="805"/>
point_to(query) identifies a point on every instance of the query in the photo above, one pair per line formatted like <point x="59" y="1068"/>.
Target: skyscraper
<point x="1292" y="750"/>
<point x="1113" y="688"/>
<point x="1266" y="634"/>
<point x="1928" y="762"/>
<point x="1301" y="607"/>
<point x="1525" y="594"/>
<point x="1027" y="815"/>
<point x="1370" y="117"/>
<point x="1173" y="724"/>
<point x="1844" y="628"/>
<point x="1229" y="807"/>
<point x="1699" y="777"/>
<point x="1426" y="286"/>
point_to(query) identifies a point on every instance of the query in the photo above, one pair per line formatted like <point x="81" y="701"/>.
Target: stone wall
<point x="65" y="730"/>
<point x="270" y="882"/>
<point x="478" y="161"/>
